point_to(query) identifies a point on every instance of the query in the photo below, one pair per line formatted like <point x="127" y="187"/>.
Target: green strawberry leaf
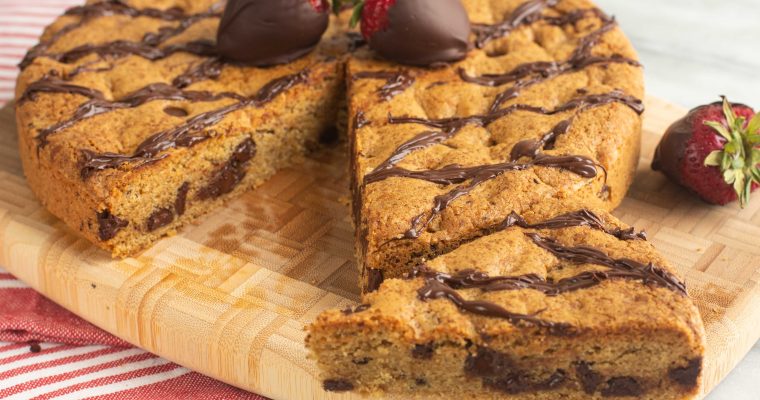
<point x="756" y="174"/>
<point x="739" y="160"/>
<point x="725" y="163"/>
<point x="336" y="6"/>
<point x="754" y="158"/>
<point x="728" y="111"/>
<point x="357" y="15"/>
<point x="729" y="176"/>
<point x="714" y="159"/>
<point x="720" y="128"/>
<point x="744" y="196"/>
<point x="754" y="125"/>
<point x="739" y="185"/>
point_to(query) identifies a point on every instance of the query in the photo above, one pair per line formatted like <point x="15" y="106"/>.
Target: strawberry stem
<point x="739" y="161"/>
<point x="357" y="5"/>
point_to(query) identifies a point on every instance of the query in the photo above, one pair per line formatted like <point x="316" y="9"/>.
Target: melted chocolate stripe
<point x="448" y="127"/>
<point x="120" y="48"/>
<point x="208" y="69"/>
<point x="627" y="268"/>
<point x="56" y="85"/>
<point x="582" y="217"/>
<point x="583" y="103"/>
<point x="434" y="289"/>
<point x="395" y="82"/>
<point x="542" y="71"/>
<point x="156" y="91"/>
<point x="188" y="133"/>
<point x="527" y="13"/>
<point x="477" y="175"/>
<point x="579" y="165"/>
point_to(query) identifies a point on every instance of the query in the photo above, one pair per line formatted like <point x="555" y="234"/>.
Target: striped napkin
<point x="47" y="352"/>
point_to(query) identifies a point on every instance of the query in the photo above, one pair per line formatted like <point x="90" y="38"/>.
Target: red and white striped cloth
<point x="45" y="351"/>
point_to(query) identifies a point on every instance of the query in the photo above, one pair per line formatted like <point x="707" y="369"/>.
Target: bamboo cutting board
<point x="230" y="296"/>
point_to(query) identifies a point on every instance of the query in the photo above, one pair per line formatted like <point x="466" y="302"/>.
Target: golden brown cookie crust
<point x="607" y="134"/>
<point x="80" y="68"/>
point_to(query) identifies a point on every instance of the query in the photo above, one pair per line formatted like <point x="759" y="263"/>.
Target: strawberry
<point x="714" y="151"/>
<point x="265" y="32"/>
<point x="320" y="6"/>
<point x="414" y="32"/>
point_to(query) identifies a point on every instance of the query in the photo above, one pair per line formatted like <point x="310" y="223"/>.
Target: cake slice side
<point x="571" y="305"/>
<point x="126" y="139"/>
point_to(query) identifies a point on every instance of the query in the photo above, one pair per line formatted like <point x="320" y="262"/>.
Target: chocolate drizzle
<point x="98" y="105"/>
<point x="530" y="74"/>
<point x="434" y="289"/>
<point x="477" y="175"/>
<point x="210" y="68"/>
<point x="145" y="48"/>
<point x="122" y="48"/>
<point x="442" y="285"/>
<point x="188" y="133"/>
<point x="582" y="217"/>
<point x="527" y="13"/>
<point x="448" y="127"/>
<point x="620" y="268"/>
<point x="56" y="85"/>
<point x="395" y="82"/>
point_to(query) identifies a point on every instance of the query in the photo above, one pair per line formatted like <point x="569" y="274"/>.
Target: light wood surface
<point x="230" y="296"/>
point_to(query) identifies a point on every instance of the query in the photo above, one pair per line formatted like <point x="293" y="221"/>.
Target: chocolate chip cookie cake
<point x="131" y="125"/>
<point x="488" y="139"/>
<point x="490" y="265"/>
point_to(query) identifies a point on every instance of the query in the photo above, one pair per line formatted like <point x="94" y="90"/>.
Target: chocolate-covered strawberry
<point x="267" y="32"/>
<point x="713" y="151"/>
<point x="413" y="32"/>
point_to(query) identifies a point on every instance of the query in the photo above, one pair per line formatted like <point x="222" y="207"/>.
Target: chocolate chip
<point x="109" y="225"/>
<point x="361" y="361"/>
<point x="176" y="111"/>
<point x="620" y="386"/>
<point x="374" y="279"/>
<point x="687" y="376"/>
<point x="487" y="362"/>
<point x="231" y="173"/>
<point x="589" y="379"/>
<point x="357" y="309"/>
<point x="499" y="372"/>
<point x="420" y="382"/>
<point x="160" y="218"/>
<point x="181" y="201"/>
<point x="423" y="351"/>
<point x="337" y="385"/>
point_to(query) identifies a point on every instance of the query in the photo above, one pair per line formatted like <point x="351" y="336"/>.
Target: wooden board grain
<point x="230" y="296"/>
